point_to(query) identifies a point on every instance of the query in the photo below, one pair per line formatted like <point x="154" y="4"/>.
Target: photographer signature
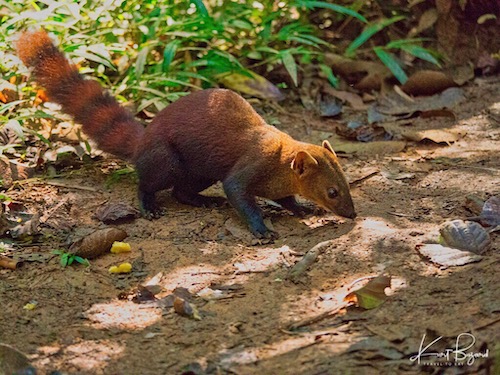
<point x="459" y="354"/>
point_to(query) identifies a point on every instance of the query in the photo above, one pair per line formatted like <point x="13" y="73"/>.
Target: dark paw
<point x="267" y="236"/>
<point x="155" y="213"/>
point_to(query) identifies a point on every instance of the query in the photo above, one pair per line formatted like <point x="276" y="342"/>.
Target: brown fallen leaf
<point x="116" y="212"/>
<point x="370" y="148"/>
<point x="372" y="294"/>
<point x="364" y="75"/>
<point x="446" y="256"/>
<point x="97" y="243"/>
<point x="184" y="308"/>
<point x="490" y="214"/>
<point x="251" y="84"/>
<point x="465" y="235"/>
<point x="394" y="106"/>
<point x="354" y="100"/>
<point x="427" y="82"/>
<point x="445" y="135"/>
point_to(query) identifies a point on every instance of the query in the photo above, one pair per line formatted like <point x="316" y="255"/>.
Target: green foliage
<point x="67" y="259"/>
<point x="152" y="52"/>
<point x="5" y="198"/>
<point x="119" y="174"/>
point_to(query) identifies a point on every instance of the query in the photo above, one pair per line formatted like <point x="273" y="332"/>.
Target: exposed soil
<point x="80" y="326"/>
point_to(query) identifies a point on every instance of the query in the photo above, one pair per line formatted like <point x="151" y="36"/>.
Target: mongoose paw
<point x="264" y="237"/>
<point x="153" y="214"/>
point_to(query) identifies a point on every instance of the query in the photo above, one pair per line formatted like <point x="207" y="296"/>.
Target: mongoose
<point x="207" y="136"/>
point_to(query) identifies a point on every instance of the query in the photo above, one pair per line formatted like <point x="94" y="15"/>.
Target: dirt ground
<point x="81" y="326"/>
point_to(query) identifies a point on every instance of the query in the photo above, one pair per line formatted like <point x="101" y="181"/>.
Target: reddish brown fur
<point x="207" y="136"/>
<point x="103" y="119"/>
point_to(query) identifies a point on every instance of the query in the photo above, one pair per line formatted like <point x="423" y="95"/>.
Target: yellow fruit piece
<point x="120" y="247"/>
<point x="30" y="306"/>
<point x="122" y="268"/>
<point x="125" y="268"/>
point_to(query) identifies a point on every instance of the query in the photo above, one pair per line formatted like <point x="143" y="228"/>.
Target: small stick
<point x="361" y="179"/>
<point x="37" y="181"/>
<point x="398" y="214"/>
<point x="7" y="262"/>
<point x="309" y="258"/>
<point x="317" y="318"/>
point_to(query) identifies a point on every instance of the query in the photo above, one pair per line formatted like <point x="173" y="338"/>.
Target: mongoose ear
<point x="302" y="161"/>
<point x="328" y="146"/>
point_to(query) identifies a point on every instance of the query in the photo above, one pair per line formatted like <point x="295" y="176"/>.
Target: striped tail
<point x="113" y="128"/>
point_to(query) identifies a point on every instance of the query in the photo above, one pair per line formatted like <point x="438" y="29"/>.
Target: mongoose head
<point x="321" y="179"/>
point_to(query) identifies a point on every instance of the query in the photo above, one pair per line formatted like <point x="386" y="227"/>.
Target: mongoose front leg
<point x="247" y="207"/>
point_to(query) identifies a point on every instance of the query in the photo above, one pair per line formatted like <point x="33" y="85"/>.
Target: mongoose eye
<point x="332" y="193"/>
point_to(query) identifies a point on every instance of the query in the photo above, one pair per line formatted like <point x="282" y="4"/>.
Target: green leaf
<point x="64" y="259"/>
<point x="5" y="107"/>
<point x="336" y="8"/>
<point x="334" y="81"/>
<point x="290" y="65"/>
<point x="421" y="53"/>
<point x="141" y="62"/>
<point x="82" y="260"/>
<point x="368" y="33"/>
<point x="169" y="54"/>
<point x="202" y="9"/>
<point x="401" y="42"/>
<point x="391" y="63"/>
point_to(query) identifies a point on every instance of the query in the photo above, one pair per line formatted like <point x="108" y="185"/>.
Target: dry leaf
<point x="184" y="308"/>
<point x="116" y="212"/>
<point x="465" y="235"/>
<point x="373" y="73"/>
<point x="370" y="148"/>
<point x="490" y="214"/>
<point x="354" y="100"/>
<point x="436" y="135"/>
<point x="427" y="82"/>
<point x="372" y="294"/>
<point x="446" y="256"/>
<point x="393" y="106"/>
<point x="254" y="85"/>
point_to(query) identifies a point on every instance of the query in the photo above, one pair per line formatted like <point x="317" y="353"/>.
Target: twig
<point x="60" y="184"/>
<point x="38" y="181"/>
<point x="317" y="318"/>
<point x="361" y="179"/>
<point x="309" y="258"/>
<point x="398" y="214"/>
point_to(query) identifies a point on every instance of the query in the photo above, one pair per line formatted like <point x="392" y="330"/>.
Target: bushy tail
<point x="113" y="128"/>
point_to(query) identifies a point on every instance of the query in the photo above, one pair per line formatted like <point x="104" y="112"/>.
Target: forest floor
<point x="246" y="302"/>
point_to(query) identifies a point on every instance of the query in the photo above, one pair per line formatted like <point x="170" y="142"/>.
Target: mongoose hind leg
<point x="155" y="176"/>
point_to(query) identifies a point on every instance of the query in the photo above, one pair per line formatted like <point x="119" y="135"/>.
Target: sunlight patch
<point x="123" y="315"/>
<point x="88" y="356"/>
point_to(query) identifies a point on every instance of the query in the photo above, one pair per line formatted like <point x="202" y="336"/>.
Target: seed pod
<point x="97" y="243"/>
